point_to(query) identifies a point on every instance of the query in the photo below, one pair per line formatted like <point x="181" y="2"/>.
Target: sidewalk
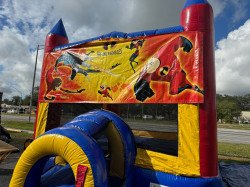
<point x="18" y="130"/>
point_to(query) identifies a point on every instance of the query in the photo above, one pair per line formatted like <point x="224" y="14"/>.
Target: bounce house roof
<point x="192" y="2"/>
<point x="117" y="34"/>
<point x="60" y="30"/>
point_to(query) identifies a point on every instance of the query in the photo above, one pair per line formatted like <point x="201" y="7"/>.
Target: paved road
<point x="7" y="167"/>
<point x="16" y="118"/>
<point x="234" y="136"/>
<point x="224" y="135"/>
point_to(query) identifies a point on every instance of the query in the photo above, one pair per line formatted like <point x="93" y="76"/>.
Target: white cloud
<point x="239" y="8"/>
<point x="36" y="18"/>
<point x="17" y="62"/>
<point x="218" y="6"/>
<point x="233" y="62"/>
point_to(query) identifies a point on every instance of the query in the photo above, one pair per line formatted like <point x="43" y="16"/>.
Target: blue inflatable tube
<point x="146" y="177"/>
<point x="58" y="176"/>
<point x="94" y="121"/>
<point x="127" y="139"/>
<point x="90" y="148"/>
<point x="89" y="123"/>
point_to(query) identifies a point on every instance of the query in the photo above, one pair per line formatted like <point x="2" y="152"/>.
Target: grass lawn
<point x="18" y="139"/>
<point x="235" y="126"/>
<point x="23" y="125"/>
<point x="234" y="152"/>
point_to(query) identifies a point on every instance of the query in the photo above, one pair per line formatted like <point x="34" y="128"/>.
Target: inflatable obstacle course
<point x="75" y="145"/>
<point x="164" y="66"/>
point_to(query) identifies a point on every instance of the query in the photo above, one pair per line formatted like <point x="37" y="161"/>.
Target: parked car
<point x="147" y="117"/>
<point x="159" y="117"/>
<point x="12" y="111"/>
<point x="246" y="122"/>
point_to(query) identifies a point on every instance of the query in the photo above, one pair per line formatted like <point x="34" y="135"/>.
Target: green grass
<point x="234" y="152"/>
<point x="23" y="125"/>
<point x="235" y="126"/>
<point x="18" y="139"/>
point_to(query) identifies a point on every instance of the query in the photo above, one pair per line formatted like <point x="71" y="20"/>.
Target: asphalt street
<point x="234" y="136"/>
<point x="16" y="118"/>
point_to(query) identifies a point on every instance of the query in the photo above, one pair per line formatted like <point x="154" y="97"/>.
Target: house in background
<point x="12" y="109"/>
<point x="245" y="117"/>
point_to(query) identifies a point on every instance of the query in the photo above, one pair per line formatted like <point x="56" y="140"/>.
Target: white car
<point x="12" y="111"/>
<point x="147" y="116"/>
<point x="159" y="117"/>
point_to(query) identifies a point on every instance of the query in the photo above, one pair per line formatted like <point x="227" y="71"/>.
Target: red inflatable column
<point x="56" y="37"/>
<point x="197" y="15"/>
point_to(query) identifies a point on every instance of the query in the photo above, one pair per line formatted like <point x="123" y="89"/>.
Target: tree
<point x="16" y="100"/>
<point x="7" y="101"/>
<point x="228" y="108"/>
<point x="171" y="110"/>
<point x="26" y="100"/>
<point x="244" y="102"/>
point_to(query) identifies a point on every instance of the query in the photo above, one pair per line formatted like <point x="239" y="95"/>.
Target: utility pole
<point x="20" y="102"/>
<point x="1" y="95"/>
<point x="33" y="83"/>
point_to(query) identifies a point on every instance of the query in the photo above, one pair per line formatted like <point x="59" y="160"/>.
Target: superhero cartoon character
<point x="104" y="91"/>
<point x="165" y="66"/>
<point x="77" y="62"/>
<point x="54" y="84"/>
<point x="135" y="44"/>
<point x="106" y="44"/>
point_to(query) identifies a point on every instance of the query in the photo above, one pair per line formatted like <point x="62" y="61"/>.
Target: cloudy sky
<point x="25" y="23"/>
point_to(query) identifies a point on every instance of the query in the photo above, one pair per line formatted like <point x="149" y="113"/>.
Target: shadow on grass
<point x="18" y="139"/>
<point x="6" y="171"/>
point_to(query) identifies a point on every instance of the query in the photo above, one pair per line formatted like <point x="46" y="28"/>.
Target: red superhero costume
<point x="165" y="66"/>
<point x="55" y="84"/>
<point x="105" y="91"/>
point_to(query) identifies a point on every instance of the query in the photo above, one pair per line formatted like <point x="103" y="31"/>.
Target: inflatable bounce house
<point x="98" y="148"/>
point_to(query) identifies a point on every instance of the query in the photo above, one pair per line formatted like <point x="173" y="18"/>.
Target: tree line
<point x="15" y="100"/>
<point x="229" y="108"/>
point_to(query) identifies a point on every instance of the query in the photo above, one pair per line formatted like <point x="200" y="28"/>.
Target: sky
<point x="25" y="23"/>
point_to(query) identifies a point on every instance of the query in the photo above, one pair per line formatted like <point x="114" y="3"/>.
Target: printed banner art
<point x="152" y="69"/>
